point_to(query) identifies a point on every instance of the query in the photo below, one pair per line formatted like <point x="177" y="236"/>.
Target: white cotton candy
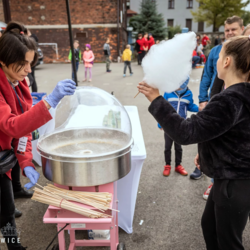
<point x="168" y="64"/>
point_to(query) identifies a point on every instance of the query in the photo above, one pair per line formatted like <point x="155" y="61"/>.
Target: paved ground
<point x="170" y="207"/>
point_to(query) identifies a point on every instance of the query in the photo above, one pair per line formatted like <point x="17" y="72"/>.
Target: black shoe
<point x="23" y="194"/>
<point x="108" y="70"/>
<point x="18" y="213"/>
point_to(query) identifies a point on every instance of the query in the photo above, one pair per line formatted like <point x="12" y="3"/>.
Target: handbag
<point x="7" y="160"/>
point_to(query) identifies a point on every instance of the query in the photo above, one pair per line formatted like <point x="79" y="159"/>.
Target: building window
<point x="189" y="4"/>
<point x="83" y="34"/>
<point x="189" y="24"/>
<point x="201" y="26"/>
<point x="171" y="4"/>
<point x="170" y="22"/>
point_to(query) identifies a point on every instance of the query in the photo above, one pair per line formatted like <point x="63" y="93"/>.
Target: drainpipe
<point x="6" y="10"/>
<point x="118" y="30"/>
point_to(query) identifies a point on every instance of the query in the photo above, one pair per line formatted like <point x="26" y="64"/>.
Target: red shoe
<point x="181" y="170"/>
<point x="167" y="169"/>
<point x="207" y="192"/>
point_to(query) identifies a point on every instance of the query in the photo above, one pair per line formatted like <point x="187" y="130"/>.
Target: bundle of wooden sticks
<point x="62" y="198"/>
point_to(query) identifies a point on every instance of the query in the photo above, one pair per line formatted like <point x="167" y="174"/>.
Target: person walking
<point x="77" y="54"/>
<point x="15" y="110"/>
<point x="107" y="54"/>
<point x="126" y="57"/>
<point x="88" y="60"/>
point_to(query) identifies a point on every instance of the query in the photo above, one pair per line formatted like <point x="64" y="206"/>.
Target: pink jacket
<point x="88" y="57"/>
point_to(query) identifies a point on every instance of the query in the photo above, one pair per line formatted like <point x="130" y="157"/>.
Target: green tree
<point x="246" y="17"/>
<point x="149" y="21"/>
<point x="215" y="12"/>
<point x="173" y="30"/>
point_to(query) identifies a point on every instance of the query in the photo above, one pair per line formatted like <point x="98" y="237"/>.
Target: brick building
<point x="92" y="22"/>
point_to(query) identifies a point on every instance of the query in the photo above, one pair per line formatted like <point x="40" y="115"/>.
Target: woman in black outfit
<point x="222" y="131"/>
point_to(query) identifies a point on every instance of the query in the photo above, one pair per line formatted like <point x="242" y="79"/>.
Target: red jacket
<point x="151" y="42"/>
<point x="140" y="42"/>
<point x="144" y="44"/>
<point x="14" y="124"/>
<point x="194" y="53"/>
<point x="204" y="40"/>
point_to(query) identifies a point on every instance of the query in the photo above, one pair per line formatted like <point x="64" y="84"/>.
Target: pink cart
<point x="74" y="221"/>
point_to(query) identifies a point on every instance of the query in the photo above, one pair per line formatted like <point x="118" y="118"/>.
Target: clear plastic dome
<point x="89" y="124"/>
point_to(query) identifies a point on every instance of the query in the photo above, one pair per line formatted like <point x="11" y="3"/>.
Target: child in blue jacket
<point x="182" y="101"/>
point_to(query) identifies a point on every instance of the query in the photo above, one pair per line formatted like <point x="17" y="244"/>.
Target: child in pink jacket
<point x="88" y="60"/>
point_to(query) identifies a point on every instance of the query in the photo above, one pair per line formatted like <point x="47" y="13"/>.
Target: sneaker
<point x="108" y="71"/>
<point x="85" y="80"/>
<point x="90" y="80"/>
<point x="23" y="194"/>
<point x="18" y="213"/>
<point x="124" y="75"/>
<point x="196" y="175"/>
<point x="131" y="74"/>
<point x="181" y="170"/>
<point x="207" y="192"/>
<point x="167" y="169"/>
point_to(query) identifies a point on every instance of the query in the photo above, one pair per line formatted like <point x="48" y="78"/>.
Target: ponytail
<point x="14" y="44"/>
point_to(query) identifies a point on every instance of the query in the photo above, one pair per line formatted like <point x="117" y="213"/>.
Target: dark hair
<point x="239" y="49"/>
<point x="234" y="19"/>
<point x="139" y="35"/>
<point x="14" y="44"/>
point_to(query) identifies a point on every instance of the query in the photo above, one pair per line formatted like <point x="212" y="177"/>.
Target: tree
<point x="246" y="17"/>
<point x="173" y="30"/>
<point x="215" y="12"/>
<point x="149" y="21"/>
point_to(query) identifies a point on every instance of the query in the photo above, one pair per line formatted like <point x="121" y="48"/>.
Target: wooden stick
<point x="137" y="94"/>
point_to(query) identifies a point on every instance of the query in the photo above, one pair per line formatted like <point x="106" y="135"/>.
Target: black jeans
<point x="167" y="152"/>
<point x="141" y="56"/>
<point x="127" y="64"/>
<point x="7" y="222"/>
<point x="34" y="85"/>
<point x="15" y="175"/>
<point x="226" y="214"/>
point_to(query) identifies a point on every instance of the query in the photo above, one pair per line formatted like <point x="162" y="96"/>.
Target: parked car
<point x="40" y="57"/>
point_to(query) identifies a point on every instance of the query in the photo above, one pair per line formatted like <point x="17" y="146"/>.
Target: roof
<point x="131" y="12"/>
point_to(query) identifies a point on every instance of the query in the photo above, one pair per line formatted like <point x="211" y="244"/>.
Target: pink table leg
<point x="61" y="238"/>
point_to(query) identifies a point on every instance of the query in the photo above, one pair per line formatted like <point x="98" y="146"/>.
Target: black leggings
<point x="15" y="175"/>
<point x="7" y="222"/>
<point x="34" y="85"/>
<point x="167" y="152"/>
<point x="226" y="214"/>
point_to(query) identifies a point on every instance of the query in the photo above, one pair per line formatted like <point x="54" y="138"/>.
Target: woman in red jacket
<point x="18" y="118"/>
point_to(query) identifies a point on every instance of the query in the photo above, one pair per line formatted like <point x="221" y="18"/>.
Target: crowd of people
<point x="221" y="130"/>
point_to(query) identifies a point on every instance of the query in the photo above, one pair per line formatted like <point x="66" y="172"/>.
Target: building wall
<point x="96" y="18"/>
<point x="1" y="12"/>
<point x="180" y="13"/>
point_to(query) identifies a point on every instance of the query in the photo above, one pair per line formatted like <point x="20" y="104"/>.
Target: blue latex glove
<point x="64" y="87"/>
<point x="33" y="175"/>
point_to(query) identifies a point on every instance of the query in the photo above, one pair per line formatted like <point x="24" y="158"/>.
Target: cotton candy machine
<point x="91" y="143"/>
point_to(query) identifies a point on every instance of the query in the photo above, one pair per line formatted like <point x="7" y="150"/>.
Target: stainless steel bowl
<point x="85" y="157"/>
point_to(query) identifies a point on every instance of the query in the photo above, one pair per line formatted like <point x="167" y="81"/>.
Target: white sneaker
<point x="207" y="192"/>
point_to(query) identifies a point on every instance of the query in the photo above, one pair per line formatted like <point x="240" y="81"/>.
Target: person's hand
<point x="110" y="58"/>
<point x="197" y="162"/>
<point x="33" y="175"/>
<point x="202" y="105"/>
<point x="148" y="91"/>
<point x="161" y="128"/>
<point x="64" y="87"/>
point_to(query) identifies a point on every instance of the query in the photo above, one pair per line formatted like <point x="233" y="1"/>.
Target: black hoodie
<point x="222" y="131"/>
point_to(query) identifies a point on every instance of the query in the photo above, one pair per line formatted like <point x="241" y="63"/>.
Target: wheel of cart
<point x="121" y="246"/>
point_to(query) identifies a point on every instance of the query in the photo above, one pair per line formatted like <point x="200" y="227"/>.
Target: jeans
<point x="195" y="59"/>
<point x="73" y="76"/>
<point x="226" y="214"/>
<point x="167" y="152"/>
<point x="7" y="218"/>
<point x="107" y="62"/>
<point x="127" y="64"/>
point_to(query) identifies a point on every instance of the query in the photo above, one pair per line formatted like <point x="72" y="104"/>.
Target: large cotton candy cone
<point x="168" y="64"/>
